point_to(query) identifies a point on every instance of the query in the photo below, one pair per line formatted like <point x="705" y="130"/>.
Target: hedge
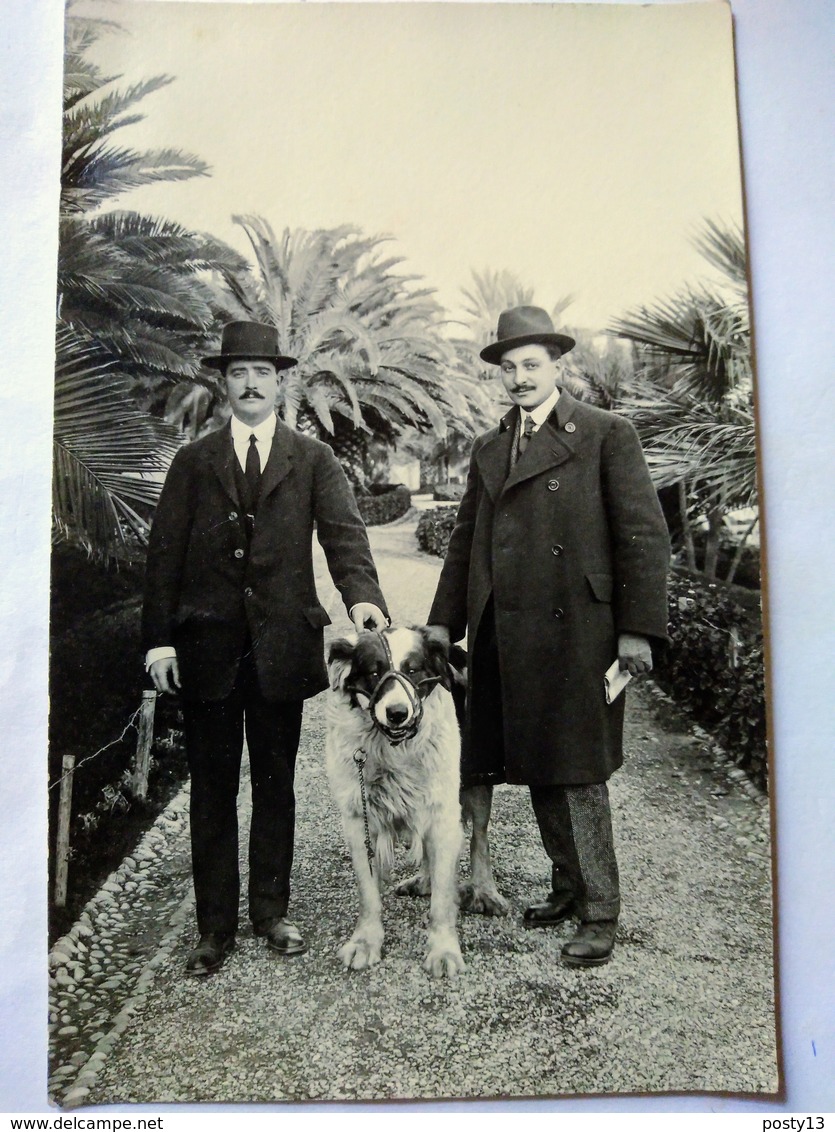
<point x="447" y="492"/>
<point x="434" y="528"/>
<point x="714" y="665"/>
<point x="389" y="502"/>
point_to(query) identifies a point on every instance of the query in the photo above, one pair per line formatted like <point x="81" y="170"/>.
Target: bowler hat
<point x="521" y="325"/>
<point x="249" y="340"/>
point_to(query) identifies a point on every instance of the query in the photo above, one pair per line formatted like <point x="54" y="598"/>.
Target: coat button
<point x="559" y="614"/>
<point x="553" y="485"/>
<point x="556" y="550"/>
<point x="248" y="591"/>
<point x="233" y="516"/>
<point x="570" y="427"/>
<point x="239" y="553"/>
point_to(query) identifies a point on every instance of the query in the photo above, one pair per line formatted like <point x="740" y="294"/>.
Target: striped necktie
<point x="526" y="434"/>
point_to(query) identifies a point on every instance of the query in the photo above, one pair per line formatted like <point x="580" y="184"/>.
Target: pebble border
<point x="71" y="965"/>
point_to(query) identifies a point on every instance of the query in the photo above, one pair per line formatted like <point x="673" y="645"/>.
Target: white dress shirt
<point x="541" y="413"/>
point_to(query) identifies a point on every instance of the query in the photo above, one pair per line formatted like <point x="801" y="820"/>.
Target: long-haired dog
<point x="393" y="762"/>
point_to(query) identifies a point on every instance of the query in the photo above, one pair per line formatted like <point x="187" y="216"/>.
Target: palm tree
<point x="372" y="358"/>
<point x="136" y="305"/>
<point x="692" y="396"/>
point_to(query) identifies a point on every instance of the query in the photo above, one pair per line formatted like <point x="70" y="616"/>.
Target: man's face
<point x="529" y="375"/>
<point x="252" y="386"/>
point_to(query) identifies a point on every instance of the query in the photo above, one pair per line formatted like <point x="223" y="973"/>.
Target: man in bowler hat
<point x="232" y="622"/>
<point x="556" y="566"/>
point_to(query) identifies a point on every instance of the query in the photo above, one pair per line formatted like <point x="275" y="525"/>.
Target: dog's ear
<point x="436" y="646"/>
<point x="340" y="658"/>
<point x="458" y="665"/>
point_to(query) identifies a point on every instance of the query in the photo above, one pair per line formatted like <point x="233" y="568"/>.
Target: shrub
<point x="447" y="492"/>
<point x="434" y="529"/>
<point x="387" y="503"/>
<point x="714" y="666"/>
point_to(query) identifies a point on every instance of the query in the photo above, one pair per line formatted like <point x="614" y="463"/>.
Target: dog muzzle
<point x="415" y="694"/>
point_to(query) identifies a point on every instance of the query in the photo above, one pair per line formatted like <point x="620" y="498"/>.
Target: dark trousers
<point x="575" y="822"/>
<point x="214" y="733"/>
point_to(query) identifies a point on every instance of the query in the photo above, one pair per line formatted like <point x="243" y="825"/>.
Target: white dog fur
<point x="411" y="791"/>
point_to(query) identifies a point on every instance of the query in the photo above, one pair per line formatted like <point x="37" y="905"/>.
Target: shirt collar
<point x="542" y="412"/>
<point x="263" y="432"/>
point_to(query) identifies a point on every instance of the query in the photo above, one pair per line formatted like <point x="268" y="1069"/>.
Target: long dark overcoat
<point x="572" y="546"/>
<point x="209" y="587"/>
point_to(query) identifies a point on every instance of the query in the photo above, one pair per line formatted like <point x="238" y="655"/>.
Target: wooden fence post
<point x="62" y="844"/>
<point x="144" y="740"/>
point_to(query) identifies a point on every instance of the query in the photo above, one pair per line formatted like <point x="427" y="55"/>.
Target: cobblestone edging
<point x="100" y="971"/>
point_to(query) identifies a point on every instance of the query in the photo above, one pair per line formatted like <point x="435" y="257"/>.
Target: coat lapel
<point x="550" y="445"/>
<point x="493" y="457"/>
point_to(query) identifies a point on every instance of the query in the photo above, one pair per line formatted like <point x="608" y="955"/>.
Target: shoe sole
<point x="580" y="961"/>
<point x="552" y="922"/>
<point x="203" y="972"/>
<point x="296" y="949"/>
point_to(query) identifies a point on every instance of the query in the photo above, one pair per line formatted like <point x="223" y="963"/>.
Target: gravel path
<point x="686" y="1004"/>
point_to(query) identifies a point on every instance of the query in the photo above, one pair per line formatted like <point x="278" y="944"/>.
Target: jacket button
<point x="559" y="614"/>
<point x="248" y="591"/>
<point x="556" y="550"/>
<point x="233" y="516"/>
<point x="570" y="426"/>
<point x="239" y="553"/>
<point x="553" y="485"/>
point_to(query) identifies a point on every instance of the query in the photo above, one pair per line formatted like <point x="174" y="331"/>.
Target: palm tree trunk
<point x="714" y="528"/>
<point x="686" y="527"/>
<point x="737" y="558"/>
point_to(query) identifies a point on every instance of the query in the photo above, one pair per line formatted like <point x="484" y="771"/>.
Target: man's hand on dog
<point x="165" y="674"/>
<point x="634" y="654"/>
<point x="366" y="616"/>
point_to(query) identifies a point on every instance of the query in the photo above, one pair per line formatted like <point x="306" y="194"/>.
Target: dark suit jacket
<point x="210" y="588"/>
<point x="572" y="547"/>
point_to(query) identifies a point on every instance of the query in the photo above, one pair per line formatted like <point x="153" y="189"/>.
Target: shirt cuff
<point x="165" y="652"/>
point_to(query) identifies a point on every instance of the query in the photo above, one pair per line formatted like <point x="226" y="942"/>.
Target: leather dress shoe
<point x="282" y="937"/>
<point x="210" y="953"/>
<point x="592" y="945"/>
<point x="552" y="911"/>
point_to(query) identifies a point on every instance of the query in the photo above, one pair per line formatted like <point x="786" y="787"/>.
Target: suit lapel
<point x="279" y="462"/>
<point x="222" y="459"/>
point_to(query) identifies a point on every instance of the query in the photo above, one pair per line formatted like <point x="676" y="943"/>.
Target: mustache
<point x="252" y="395"/>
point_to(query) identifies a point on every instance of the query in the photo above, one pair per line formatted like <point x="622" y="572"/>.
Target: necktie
<point x="253" y="469"/>
<point x="526" y="434"/>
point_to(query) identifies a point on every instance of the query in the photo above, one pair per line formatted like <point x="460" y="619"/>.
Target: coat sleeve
<point x="167" y="548"/>
<point x="342" y="534"/>
<point x="449" y="606"/>
<point x="640" y="540"/>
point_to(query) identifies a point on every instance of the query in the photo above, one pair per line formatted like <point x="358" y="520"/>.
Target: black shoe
<point x="553" y="911"/>
<point x="210" y="953"/>
<point x="592" y="945"/>
<point x="282" y="937"/>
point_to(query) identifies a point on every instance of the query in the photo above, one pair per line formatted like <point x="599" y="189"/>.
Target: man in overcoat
<point x="232" y="621"/>
<point x="557" y="566"/>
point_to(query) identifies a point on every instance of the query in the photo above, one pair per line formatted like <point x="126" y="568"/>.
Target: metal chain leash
<point x="360" y="759"/>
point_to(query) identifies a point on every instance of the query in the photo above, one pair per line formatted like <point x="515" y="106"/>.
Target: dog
<point x="393" y="762"/>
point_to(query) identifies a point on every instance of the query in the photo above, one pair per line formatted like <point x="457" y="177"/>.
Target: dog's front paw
<point x="482" y="901"/>
<point x="359" y="953"/>
<point x="444" y="960"/>
<point x="418" y="885"/>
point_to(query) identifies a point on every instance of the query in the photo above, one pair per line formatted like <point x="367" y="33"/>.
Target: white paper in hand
<point x="614" y="681"/>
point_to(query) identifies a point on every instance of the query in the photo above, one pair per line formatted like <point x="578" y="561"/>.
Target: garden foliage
<point x="433" y="530"/>
<point x="385" y="506"/>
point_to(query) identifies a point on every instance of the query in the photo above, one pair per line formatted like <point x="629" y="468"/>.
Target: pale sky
<point x="578" y="146"/>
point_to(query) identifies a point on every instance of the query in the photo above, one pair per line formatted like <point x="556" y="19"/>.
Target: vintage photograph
<point x="407" y="731"/>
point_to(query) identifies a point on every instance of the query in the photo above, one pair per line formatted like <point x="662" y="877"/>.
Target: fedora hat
<point x="249" y="340"/>
<point x="520" y="326"/>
